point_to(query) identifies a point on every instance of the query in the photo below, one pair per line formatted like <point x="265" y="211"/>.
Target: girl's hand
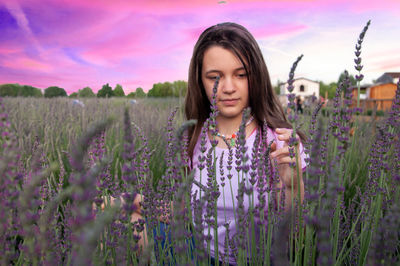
<point x="136" y="202"/>
<point x="282" y="158"/>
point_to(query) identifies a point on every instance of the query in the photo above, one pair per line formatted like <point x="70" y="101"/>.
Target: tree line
<point x="167" y="89"/>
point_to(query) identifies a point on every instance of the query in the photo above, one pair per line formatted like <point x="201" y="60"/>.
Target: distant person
<point x="299" y="104"/>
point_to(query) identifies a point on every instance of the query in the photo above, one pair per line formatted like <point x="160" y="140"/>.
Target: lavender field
<point x="59" y="163"/>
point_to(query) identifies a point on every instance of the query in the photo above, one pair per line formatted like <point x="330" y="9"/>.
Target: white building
<point x="302" y="87"/>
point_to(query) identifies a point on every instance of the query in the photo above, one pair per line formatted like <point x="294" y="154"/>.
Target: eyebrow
<point x="214" y="70"/>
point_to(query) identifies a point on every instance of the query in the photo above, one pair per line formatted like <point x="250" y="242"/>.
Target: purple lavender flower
<point x="241" y="149"/>
<point x="312" y="183"/>
<point x="203" y="148"/>
<point x="180" y="233"/>
<point x="83" y="192"/>
<point x="240" y="237"/>
<point x="170" y="140"/>
<point x="291" y="96"/>
<point x="358" y="65"/>
<point x="221" y="169"/>
<point x="212" y="122"/>
<point x="312" y="131"/>
<point x="255" y="159"/>
<point x="198" y="204"/>
<point x="394" y="113"/>
<point x="385" y="242"/>
<point x="357" y="60"/>
<point x="10" y="183"/>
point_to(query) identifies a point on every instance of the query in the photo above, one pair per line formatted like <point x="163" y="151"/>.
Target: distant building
<point x="303" y="87"/>
<point x="379" y="95"/>
<point x="389" y="77"/>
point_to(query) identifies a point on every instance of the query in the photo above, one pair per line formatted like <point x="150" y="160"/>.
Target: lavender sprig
<point x="214" y="114"/>
<point x="292" y="117"/>
<point x="241" y="149"/>
<point x="10" y="184"/>
<point x="358" y="65"/>
<point x="312" y="131"/>
<point x="83" y="191"/>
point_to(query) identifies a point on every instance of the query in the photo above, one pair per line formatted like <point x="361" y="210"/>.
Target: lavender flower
<point x="255" y="159"/>
<point x="10" y="183"/>
<point x="343" y="115"/>
<point x="386" y="239"/>
<point x="358" y="65"/>
<point x="240" y="237"/>
<point x="212" y="123"/>
<point x="394" y="113"/>
<point x="241" y="149"/>
<point x="292" y="117"/>
<point x="83" y="192"/>
<point x="180" y="232"/>
<point x="221" y="169"/>
<point x="200" y="251"/>
<point x="291" y="96"/>
<point x="312" y="131"/>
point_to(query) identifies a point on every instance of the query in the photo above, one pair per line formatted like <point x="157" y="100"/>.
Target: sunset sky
<point x="136" y="43"/>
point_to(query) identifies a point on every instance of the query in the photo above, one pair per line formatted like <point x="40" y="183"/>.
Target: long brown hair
<point x="262" y="99"/>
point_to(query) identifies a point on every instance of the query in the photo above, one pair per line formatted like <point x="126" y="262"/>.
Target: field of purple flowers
<point x="59" y="160"/>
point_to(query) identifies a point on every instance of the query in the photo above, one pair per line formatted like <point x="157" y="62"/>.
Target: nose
<point x="227" y="85"/>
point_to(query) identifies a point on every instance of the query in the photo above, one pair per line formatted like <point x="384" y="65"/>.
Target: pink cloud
<point x="392" y="64"/>
<point x="278" y="29"/>
<point x="28" y="64"/>
<point x="9" y="49"/>
<point x="361" y="6"/>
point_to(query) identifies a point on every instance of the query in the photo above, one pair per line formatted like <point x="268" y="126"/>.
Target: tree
<point x="179" y="88"/>
<point x="161" y="90"/>
<point x="32" y="91"/>
<point x="131" y="95"/>
<point x="277" y="87"/>
<point x="330" y="88"/>
<point x="353" y="81"/>
<point x="10" y="90"/>
<point x="106" y="91"/>
<point x="74" y="95"/>
<point x="118" y="91"/>
<point x="86" y="93"/>
<point x="140" y="93"/>
<point x="54" y="91"/>
<point x="15" y="90"/>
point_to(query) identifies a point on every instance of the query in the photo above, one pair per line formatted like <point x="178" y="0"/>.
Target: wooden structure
<point x="378" y="96"/>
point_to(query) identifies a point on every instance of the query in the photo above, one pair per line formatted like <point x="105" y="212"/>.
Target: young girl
<point x="230" y="53"/>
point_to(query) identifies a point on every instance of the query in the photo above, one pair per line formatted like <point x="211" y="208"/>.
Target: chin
<point x="230" y="114"/>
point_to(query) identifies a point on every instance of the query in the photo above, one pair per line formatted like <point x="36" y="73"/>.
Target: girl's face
<point x="233" y="90"/>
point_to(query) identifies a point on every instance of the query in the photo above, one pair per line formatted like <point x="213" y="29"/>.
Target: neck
<point x="228" y="126"/>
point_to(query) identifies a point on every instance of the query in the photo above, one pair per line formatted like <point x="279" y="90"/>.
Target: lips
<point x="230" y="102"/>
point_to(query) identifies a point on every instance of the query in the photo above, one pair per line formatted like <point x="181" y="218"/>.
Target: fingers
<point x="282" y="155"/>
<point x="285" y="160"/>
<point x="284" y="151"/>
<point x="111" y="202"/>
<point x="285" y="135"/>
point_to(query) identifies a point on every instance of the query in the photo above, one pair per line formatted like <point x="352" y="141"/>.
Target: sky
<point x="136" y="43"/>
